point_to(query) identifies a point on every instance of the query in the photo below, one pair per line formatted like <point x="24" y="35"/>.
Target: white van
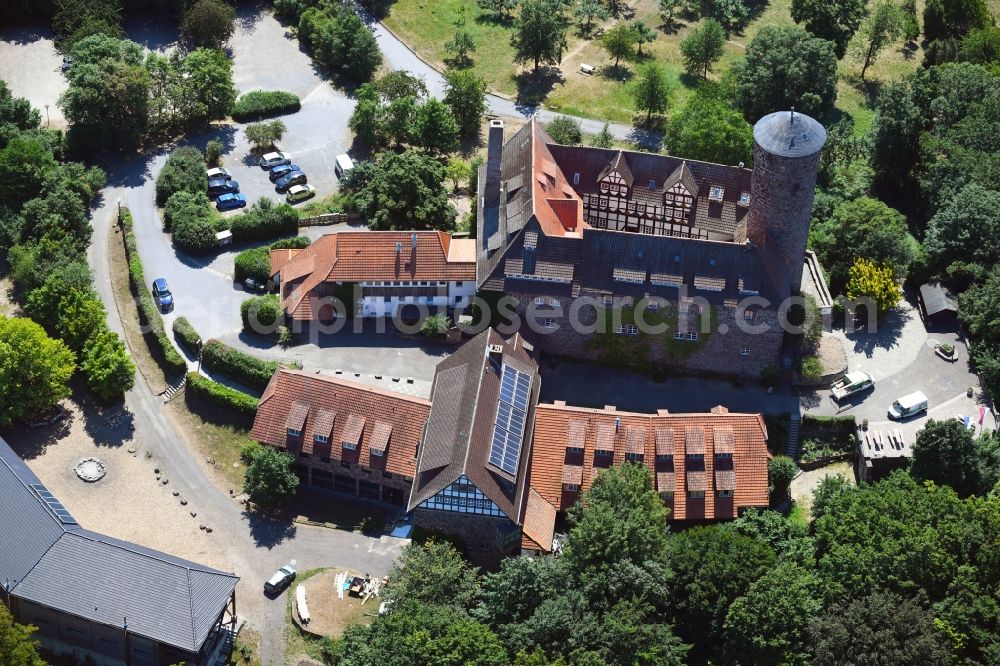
<point x="908" y="405"/>
<point x="344" y="164"/>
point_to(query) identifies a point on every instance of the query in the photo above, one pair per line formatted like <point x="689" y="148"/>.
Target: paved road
<point x="255" y="547"/>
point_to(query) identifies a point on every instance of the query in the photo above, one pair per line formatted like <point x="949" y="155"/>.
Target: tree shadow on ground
<point x="503" y="21"/>
<point x="151" y="31"/>
<point x="248" y="15"/>
<point x="884" y="335"/>
<point x="870" y="88"/>
<point x="109" y="424"/>
<point x="618" y="73"/>
<point x="30" y="443"/>
<point x="269" y="532"/>
<point x="533" y="88"/>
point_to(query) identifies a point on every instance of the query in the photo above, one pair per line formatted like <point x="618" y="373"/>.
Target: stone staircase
<point x="171" y="391"/>
<point x="794" y="436"/>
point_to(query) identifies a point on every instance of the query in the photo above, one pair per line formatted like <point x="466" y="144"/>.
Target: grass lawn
<point x="427" y="24"/>
<point x="336" y="615"/>
<point x="246" y="650"/>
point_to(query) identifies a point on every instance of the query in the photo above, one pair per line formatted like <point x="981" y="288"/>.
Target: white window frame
<point x="292" y="432"/>
<point x="350" y="447"/>
<point x="692" y="336"/>
<point x="745" y="350"/>
<point x="571" y="487"/>
<point x="321" y="439"/>
<point x="539" y="300"/>
<point x="549" y="322"/>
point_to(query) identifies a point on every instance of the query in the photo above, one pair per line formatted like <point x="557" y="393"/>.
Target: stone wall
<point x="332" y="474"/>
<point x="477" y="533"/>
<point x="718" y="351"/>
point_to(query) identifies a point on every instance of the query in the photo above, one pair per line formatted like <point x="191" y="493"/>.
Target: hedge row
<point x="832" y="425"/>
<point x="184" y="171"/>
<point x="186" y="335"/>
<point x="264" y="220"/>
<point x="149" y="314"/>
<point x="252" y="372"/>
<point x="259" y="104"/>
<point x="221" y="395"/>
<point x="256" y="262"/>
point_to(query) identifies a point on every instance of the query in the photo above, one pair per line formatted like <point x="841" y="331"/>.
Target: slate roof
<point x="661" y="434"/>
<point x="360" y="414"/>
<point x="789" y="134"/>
<point x="56" y="564"/>
<point x="365" y="256"/>
<point x="937" y="299"/>
<point x="465" y="396"/>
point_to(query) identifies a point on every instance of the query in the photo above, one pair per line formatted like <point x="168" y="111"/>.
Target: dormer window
<point x="576" y="178"/>
<point x="321" y="439"/>
<point x="744" y="198"/>
<point x="652" y="185"/>
<point x="292" y="432"/>
<point x="715" y="193"/>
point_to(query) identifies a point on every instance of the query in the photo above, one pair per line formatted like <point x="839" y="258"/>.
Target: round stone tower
<point x="786" y="148"/>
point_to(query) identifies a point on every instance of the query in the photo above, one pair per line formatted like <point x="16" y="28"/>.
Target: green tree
<point x="863" y="228"/>
<point x="565" y="130"/>
<point x="340" y="41"/>
<point x="457" y="171"/>
<point x="209" y="23"/>
<point x="881" y="29"/>
<point x="16" y="645"/>
<point x="732" y="14"/>
<point x="109" y="369"/>
<point x="71" y="15"/>
<point x="435" y="129"/>
<point x="184" y="171"/>
<point x="269" y="478"/>
<point x="895" y="628"/>
<point x="34" y="369"/>
<point x="867" y="280"/>
<point x="620" y="518"/>
<point x="965" y="228"/>
<point x="461" y="46"/>
<point x="703" y="47"/>
<point x="978" y="307"/>
<point x="944" y="19"/>
<point x="946" y="453"/>
<point x="651" y="92"/>
<point x="710" y="130"/>
<point x="667" y="10"/>
<point x="107" y="101"/>
<point x="789" y="538"/>
<point x="540" y="33"/>
<point x="401" y="191"/>
<point x="79" y="318"/>
<point x="643" y="35"/>
<point x="712" y="566"/>
<point x="208" y="75"/>
<point x="264" y="135"/>
<point x="603" y="139"/>
<point x="213" y="153"/>
<point x="619" y="41"/>
<point x="786" y="67"/>
<point x="835" y="20"/>
<point x="17" y="112"/>
<point x="780" y="471"/>
<point x="980" y="46"/>
<point x="24" y="164"/>
<point x="432" y="573"/>
<point x="500" y="9"/>
<point x="769" y="624"/>
<point x="465" y="95"/>
<point x="589" y="11"/>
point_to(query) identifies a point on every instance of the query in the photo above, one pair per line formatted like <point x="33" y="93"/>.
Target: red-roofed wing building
<point x="345" y="436"/>
<point x="375" y="273"/>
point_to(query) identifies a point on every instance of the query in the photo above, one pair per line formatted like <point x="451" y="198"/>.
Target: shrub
<point x="252" y="372"/>
<point x="295" y="242"/>
<point x="217" y="394"/>
<point x="259" y="104"/>
<point x="192" y="224"/>
<point x="186" y="335"/>
<point x="781" y="470"/>
<point x="106" y="363"/>
<point x="149" y="314"/>
<point x="249" y="451"/>
<point x="265" y="135"/>
<point x="270" y="477"/>
<point x="770" y="375"/>
<point x="261" y="314"/>
<point x="285" y="336"/>
<point x="264" y="220"/>
<point x="213" y="153"/>
<point x="435" y="325"/>
<point x="565" y="130"/>
<point x="254" y="263"/>
<point x="811" y="368"/>
<point x="183" y="172"/>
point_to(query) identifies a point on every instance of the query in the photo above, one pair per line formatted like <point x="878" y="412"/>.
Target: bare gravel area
<point x="129" y="503"/>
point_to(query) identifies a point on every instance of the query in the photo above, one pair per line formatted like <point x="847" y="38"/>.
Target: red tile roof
<point x="365" y="256"/>
<point x="539" y="523"/>
<point x="336" y="407"/>
<point x="745" y="473"/>
<point x="557" y="206"/>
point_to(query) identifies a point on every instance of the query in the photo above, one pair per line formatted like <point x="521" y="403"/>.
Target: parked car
<point x="230" y="201"/>
<point x="852" y="383"/>
<point x="280" y="580"/>
<point x="283" y="170"/>
<point x="66" y="62"/>
<point x="222" y="186"/>
<point x="218" y="172"/>
<point x="270" y="160"/>
<point x="289" y="179"/>
<point x="908" y="405"/>
<point x="343" y="164"/>
<point x="297" y="193"/>
<point x="161" y="294"/>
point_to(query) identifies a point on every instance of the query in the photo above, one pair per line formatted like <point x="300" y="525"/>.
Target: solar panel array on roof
<point x="54" y="505"/>
<point x="512" y="412"/>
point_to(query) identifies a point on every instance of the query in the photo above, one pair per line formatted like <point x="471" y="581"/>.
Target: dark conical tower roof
<point x="789" y="134"/>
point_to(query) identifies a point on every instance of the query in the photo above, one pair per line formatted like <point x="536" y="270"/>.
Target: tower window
<point x="744" y="198"/>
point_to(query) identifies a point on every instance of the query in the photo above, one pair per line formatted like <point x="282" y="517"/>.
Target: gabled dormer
<point x="679" y="191"/>
<point x="616" y="178"/>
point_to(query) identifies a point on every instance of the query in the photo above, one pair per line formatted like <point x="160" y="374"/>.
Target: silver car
<point x="271" y="160"/>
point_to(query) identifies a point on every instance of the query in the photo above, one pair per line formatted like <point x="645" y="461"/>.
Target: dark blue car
<point x="218" y="186"/>
<point x="283" y="170"/>
<point x="230" y="201"/>
<point x="161" y="294"/>
<point x="289" y="179"/>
